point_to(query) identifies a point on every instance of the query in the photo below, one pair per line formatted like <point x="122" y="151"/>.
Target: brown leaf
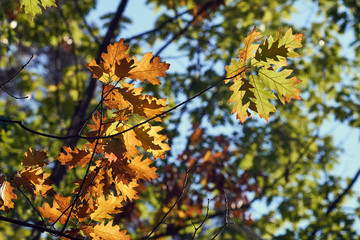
<point x="35" y="181"/>
<point x="34" y="158"/>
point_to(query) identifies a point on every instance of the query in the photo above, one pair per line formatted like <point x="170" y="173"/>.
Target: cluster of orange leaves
<point x="119" y="164"/>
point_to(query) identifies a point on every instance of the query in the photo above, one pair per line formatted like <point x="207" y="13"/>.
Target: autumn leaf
<point x="104" y="231"/>
<point x="149" y="69"/>
<point x="35" y="181"/>
<point x="127" y="190"/>
<point x="115" y="53"/>
<point x="248" y="51"/>
<point x="75" y="157"/>
<point x="106" y="206"/>
<point x="60" y="204"/>
<point x="151" y="140"/>
<point x="34" y="158"/>
<point x="6" y="195"/>
<point x="115" y="64"/>
<point x="142" y="168"/>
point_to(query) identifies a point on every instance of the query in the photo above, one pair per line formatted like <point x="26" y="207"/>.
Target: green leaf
<point x="33" y="8"/>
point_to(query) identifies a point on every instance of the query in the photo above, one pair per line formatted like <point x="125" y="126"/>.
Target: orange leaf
<point x="6" y="195"/>
<point x="152" y="141"/>
<point x="72" y="158"/>
<point x="142" y="168"/>
<point x="115" y="53"/>
<point x="149" y="70"/>
<point x="105" y="232"/>
<point x="34" y="158"/>
<point x="60" y="203"/>
<point x="127" y="191"/>
<point x="105" y="207"/>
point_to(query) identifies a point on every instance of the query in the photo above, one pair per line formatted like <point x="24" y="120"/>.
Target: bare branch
<point x="162" y="25"/>
<point x="203" y="221"/>
<point x="42" y="219"/>
<point x="176" y="202"/>
<point x="333" y="204"/>
<point x="13" y="77"/>
<point x="18" y="72"/>
<point x="226" y="217"/>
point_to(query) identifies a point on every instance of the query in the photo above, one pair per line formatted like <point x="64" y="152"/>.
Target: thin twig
<point x="226" y="217"/>
<point x="13" y="77"/>
<point x="129" y="129"/>
<point x="18" y="72"/>
<point x="176" y="202"/>
<point x="333" y="204"/>
<point x="11" y="95"/>
<point x="182" y="30"/>
<point x="42" y="219"/>
<point x="79" y="10"/>
<point x="203" y="221"/>
<point x="158" y="28"/>
<point x="41" y="228"/>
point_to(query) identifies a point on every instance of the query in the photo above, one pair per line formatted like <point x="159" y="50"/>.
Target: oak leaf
<point x="6" y="195"/>
<point x="142" y="168"/>
<point x="35" y="181"/>
<point x="127" y="190"/>
<point x="34" y="158"/>
<point x="60" y="204"/>
<point x="75" y="157"/>
<point x="254" y="84"/>
<point x="106" y="206"/>
<point x="104" y="231"/>
<point x="151" y="140"/>
<point x="149" y="69"/>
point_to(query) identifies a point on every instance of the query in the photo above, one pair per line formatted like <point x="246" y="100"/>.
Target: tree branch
<point x="78" y="136"/>
<point x="226" y="217"/>
<point x="176" y="202"/>
<point x="162" y="25"/>
<point x="202" y="222"/>
<point x="333" y="204"/>
<point x="33" y="226"/>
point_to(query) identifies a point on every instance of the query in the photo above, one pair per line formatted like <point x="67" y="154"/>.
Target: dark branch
<point x="40" y="228"/>
<point x="13" y="77"/>
<point x="18" y="72"/>
<point x="42" y="219"/>
<point x="162" y="25"/>
<point x="333" y="204"/>
<point x="226" y="217"/>
<point x="176" y="202"/>
<point x="202" y="222"/>
<point x="117" y="134"/>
